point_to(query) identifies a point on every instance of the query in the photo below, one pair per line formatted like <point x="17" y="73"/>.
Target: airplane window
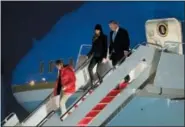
<point x="41" y="67"/>
<point x="51" y="66"/>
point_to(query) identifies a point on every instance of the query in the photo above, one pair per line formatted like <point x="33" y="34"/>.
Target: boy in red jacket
<point x="65" y="84"/>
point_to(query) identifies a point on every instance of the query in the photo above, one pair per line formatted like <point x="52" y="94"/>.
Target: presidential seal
<point x="162" y="29"/>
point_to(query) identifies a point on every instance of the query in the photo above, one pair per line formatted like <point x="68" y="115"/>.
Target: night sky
<point x="21" y="23"/>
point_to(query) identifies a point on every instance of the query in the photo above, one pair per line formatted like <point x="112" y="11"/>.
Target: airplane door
<point x="165" y="33"/>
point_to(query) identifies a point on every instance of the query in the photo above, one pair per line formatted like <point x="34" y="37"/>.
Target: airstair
<point x="105" y="100"/>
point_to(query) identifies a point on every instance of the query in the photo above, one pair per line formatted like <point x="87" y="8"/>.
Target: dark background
<point x="21" y="22"/>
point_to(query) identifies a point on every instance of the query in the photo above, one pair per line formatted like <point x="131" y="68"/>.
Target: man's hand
<point x="126" y="53"/>
<point x="104" y="60"/>
<point x="87" y="57"/>
<point x="64" y="88"/>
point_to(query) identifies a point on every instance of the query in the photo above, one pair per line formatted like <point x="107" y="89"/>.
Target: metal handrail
<point x="7" y="118"/>
<point x="155" y="39"/>
<point x="84" y="64"/>
<point x="155" y="44"/>
<point x="165" y="48"/>
<point x="174" y="42"/>
<point x="135" y="47"/>
<point x="171" y="42"/>
<point x="81" y="50"/>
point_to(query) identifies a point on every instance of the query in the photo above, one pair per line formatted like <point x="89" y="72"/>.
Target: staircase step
<point x="107" y="99"/>
<point x="93" y="113"/>
<point x="99" y="106"/>
<point x="85" y="121"/>
<point x="82" y="125"/>
<point x="114" y="93"/>
<point x="123" y="85"/>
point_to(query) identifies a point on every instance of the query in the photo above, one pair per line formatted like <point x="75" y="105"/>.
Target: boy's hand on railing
<point x="86" y="57"/>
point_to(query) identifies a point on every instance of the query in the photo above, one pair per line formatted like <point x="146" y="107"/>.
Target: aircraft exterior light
<point x="32" y="83"/>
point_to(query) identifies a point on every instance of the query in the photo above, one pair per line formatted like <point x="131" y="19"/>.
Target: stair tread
<point x="103" y="103"/>
<point x="82" y="125"/>
<point x="113" y="93"/>
<point x="95" y="110"/>
<point x="99" y="106"/>
<point x="93" y="113"/>
<point x="85" y="120"/>
<point x="110" y="96"/>
<point x="107" y="99"/>
<point x="88" y="117"/>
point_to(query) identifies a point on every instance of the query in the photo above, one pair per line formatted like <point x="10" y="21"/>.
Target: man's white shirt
<point x="114" y="36"/>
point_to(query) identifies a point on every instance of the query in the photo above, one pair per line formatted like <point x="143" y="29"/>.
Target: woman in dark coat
<point x="98" y="51"/>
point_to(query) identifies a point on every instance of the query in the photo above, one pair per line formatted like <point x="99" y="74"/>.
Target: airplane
<point x="163" y="49"/>
<point x="32" y="85"/>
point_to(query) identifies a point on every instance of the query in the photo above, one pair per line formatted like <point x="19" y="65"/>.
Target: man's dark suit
<point x="121" y="43"/>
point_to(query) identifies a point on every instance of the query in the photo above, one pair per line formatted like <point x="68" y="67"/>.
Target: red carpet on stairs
<point x="97" y="109"/>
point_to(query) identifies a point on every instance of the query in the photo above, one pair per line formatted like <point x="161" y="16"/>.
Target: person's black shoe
<point x="117" y="88"/>
<point x="100" y="81"/>
<point x="114" y="68"/>
<point x="83" y="89"/>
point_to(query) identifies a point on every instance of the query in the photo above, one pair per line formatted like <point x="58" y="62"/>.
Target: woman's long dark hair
<point x="98" y="27"/>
